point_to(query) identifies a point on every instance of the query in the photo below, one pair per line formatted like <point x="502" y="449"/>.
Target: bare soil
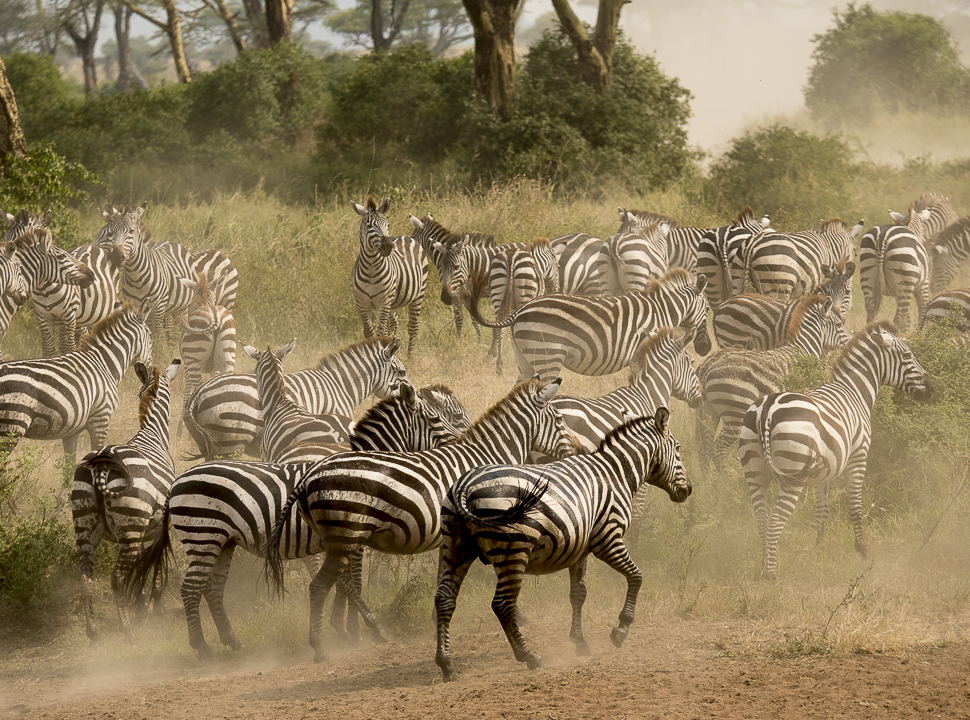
<point x="678" y="670"/>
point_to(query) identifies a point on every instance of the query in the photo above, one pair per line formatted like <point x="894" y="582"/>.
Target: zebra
<point x="682" y="242"/>
<point x="789" y="265"/>
<point x="941" y="215"/>
<point x="950" y="304"/>
<point x="208" y="340"/>
<point x="547" y="518"/>
<point x="389" y="273"/>
<point x="949" y="252"/>
<point x="119" y="490"/>
<point x="216" y="507"/>
<point x="224" y="415"/>
<point x="809" y="439"/>
<point x="392" y="502"/>
<point x="893" y="261"/>
<point x="516" y="276"/>
<point x="719" y="256"/>
<point x="153" y="272"/>
<point x="598" y="335"/>
<point x="757" y="322"/>
<point x="583" y="259"/>
<point x="220" y="272"/>
<point x="25" y="221"/>
<point x="58" y="398"/>
<point x="733" y="379"/>
<point x="635" y="258"/>
<point x="13" y="288"/>
<point x="434" y="237"/>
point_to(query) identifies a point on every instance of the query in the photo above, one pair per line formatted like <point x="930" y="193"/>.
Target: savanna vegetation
<point x="260" y="158"/>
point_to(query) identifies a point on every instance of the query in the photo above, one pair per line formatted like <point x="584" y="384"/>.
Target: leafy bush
<point x="791" y="174"/>
<point x="44" y="97"/>
<point x="34" y="554"/>
<point x="805" y="373"/>
<point x="884" y="61"/>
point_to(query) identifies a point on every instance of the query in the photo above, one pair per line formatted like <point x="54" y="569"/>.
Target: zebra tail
<point x="505" y="309"/>
<point x="153" y="560"/>
<point x="478" y="285"/>
<point x="525" y="503"/>
<point x="273" y="567"/>
<point x="198" y="433"/>
<point x="100" y="464"/>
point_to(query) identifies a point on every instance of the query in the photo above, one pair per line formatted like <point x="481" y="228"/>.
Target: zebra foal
<point x="546" y="518"/>
<point x="796" y="440"/>
<point x="119" y="491"/>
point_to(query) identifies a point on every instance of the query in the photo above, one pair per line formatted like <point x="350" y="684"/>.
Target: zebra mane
<point x="106" y="326"/>
<point x="954" y="231"/>
<point x="629" y="426"/>
<point x="676" y="278"/>
<point x="647" y="347"/>
<point x="798" y="315"/>
<point x="858" y="338"/>
<point x="148" y="396"/>
<point x="541" y="242"/>
<point x="833" y="225"/>
<point x="371" y="203"/>
<point x="332" y="361"/>
<point x="374" y="417"/>
<point x="526" y="387"/>
<point x="438" y="388"/>
<point x="745" y="217"/>
<point x="655" y="217"/>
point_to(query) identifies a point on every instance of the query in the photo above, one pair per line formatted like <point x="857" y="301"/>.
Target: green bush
<point x="791" y="174"/>
<point x="874" y="62"/>
<point x="34" y="557"/>
<point x="44" y="97"/>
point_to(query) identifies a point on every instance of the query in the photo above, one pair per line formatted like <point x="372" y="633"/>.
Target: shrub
<point x="884" y="61"/>
<point x="44" y="98"/>
<point x="791" y="174"/>
<point x="33" y="556"/>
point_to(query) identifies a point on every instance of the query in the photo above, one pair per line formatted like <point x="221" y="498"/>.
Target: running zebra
<point x="153" y="272"/>
<point x="757" y="322"/>
<point x="59" y="398"/>
<point x="636" y="258"/>
<point x="892" y="261"/>
<point x="546" y="518"/>
<point x="516" y="276"/>
<point x="682" y="242"/>
<point x="797" y="440"/>
<point x="719" y="255"/>
<point x="392" y="502"/>
<point x="119" y="492"/>
<point x="733" y="379"/>
<point x="789" y="265"/>
<point x="208" y="340"/>
<point x="434" y="238"/>
<point x="951" y="250"/>
<point x="389" y="273"/>
<point x="224" y="415"/>
<point x="952" y="305"/>
<point x="217" y="507"/>
<point x="598" y="335"/>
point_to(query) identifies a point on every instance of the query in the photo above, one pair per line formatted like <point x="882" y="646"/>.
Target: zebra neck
<point x="809" y="340"/>
<point x="154" y="433"/>
<point x="860" y="377"/>
<point x="112" y="354"/>
<point x="643" y="398"/>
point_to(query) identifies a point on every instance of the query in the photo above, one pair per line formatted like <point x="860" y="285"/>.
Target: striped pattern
<point x="789" y="265"/>
<point x="224" y="415"/>
<point x="582" y="261"/>
<point x="598" y="335"/>
<point x="681" y="242"/>
<point x="720" y="258"/>
<point x="544" y="519"/>
<point x="838" y="285"/>
<point x="392" y="502"/>
<point x="389" y="273"/>
<point x="941" y="215"/>
<point x="893" y="262"/>
<point x="219" y="272"/>
<point x="13" y="288"/>
<point x="733" y="379"/>
<point x="119" y="492"/>
<point x="796" y="440"/>
<point x="635" y="258"/>
<point x="949" y="253"/>
<point x="24" y="221"/>
<point x="59" y="398"/>
<point x="951" y="304"/>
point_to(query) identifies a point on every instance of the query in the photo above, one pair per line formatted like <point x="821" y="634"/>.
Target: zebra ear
<point x="359" y="209"/>
<point x="688" y="337"/>
<point x="46" y="219"/>
<point x="8" y="218"/>
<point x="384" y="206"/>
<point x="941" y="249"/>
<point x="172" y="371"/>
<point x="408" y="394"/>
<point x="140" y="210"/>
<point x="251" y="351"/>
<point x="661" y="419"/>
<point x="418" y="225"/>
<point x="882" y="338"/>
<point x="192" y="285"/>
<point x="858" y="228"/>
<point x="10" y="250"/>
<point x="145" y="375"/>
<point x="827" y="306"/>
<point x="701" y="283"/>
<point x="392" y="348"/>
<point x="545" y="396"/>
<point x="827" y="271"/>
<point x="850" y="268"/>
<point x="286" y="349"/>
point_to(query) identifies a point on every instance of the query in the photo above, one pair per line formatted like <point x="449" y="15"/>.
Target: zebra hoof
<point x="320" y="656"/>
<point x="618" y="636"/>
<point x="534" y="661"/>
<point x="862" y="549"/>
<point x="205" y="652"/>
<point x="380" y="638"/>
<point x="582" y="648"/>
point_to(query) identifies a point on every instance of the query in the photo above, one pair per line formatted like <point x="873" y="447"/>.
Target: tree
<point x="596" y="53"/>
<point x="873" y="61"/>
<point x="82" y="23"/>
<point x="222" y="11"/>
<point x="279" y="20"/>
<point x="172" y="27"/>
<point x="123" y="15"/>
<point x="438" y="24"/>
<point x="12" y="141"/>
<point x="494" y="24"/>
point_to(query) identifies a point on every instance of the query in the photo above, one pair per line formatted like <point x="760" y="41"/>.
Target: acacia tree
<point x="12" y="141"/>
<point x="595" y="53"/>
<point x="172" y="27"/>
<point x="228" y="17"/>
<point x="493" y="22"/>
<point x="82" y="23"/>
<point x="279" y="20"/>
<point x="439" y="24"/>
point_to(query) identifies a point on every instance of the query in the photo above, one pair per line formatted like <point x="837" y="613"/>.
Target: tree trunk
<point x="494" y="24"/>
<point x="12" y="140"/>
<point x="382" y="42"/>
<point x="172" y="27"/>
<point x="257" y="24"/>
<point x="595" y="54"/>
<point x="86" y="44"/>
<point x="122" y="35"/>
<point x="279" y="20"/>
<point x="229" y="18"/>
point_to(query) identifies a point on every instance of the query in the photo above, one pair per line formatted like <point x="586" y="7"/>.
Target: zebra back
<point x="893" y="261"/>
<point x="940" y="216"/>
<point x="953" y="305"/>
<point x="949" y="252"/>
<point x="406" y="422"/>
<point x="581" y="263"/>
<point x="720" y="255"/>
<point x="681" y="241"/>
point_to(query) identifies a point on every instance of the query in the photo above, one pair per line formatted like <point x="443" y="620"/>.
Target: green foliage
<point x="873" y="62"/>
<point x="43" y="95"/>
<point x="805" y="373"/>
<point x="34" y="554"/>
<point x="791" y="174"/>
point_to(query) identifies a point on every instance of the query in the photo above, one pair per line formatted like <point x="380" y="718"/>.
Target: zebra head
<point x="12" y="283"/>
<point x="838" y="285"/>
<point x="452" y="268"/>
<point x="696" y="316"/>
<point x="834" y="335"/>
<point x="44" y="263"/>
<point x="373" y="225"/>
<point x="269" y="372"/>
<point x="123" y="228"/>
<point x="389" y="371"/>
<point x="420" y="424"/>
<point x="447" y="404"/>
<point x="662" y="368"/>
<point x="25" y="221"/>
<point x="898" y="367"/>
<point x="666" y="469"/>
<point x="552" y="436"/>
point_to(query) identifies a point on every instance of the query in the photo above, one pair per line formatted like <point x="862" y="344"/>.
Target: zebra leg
<point x="346" y="583"/>
<point x="901" y="320"/>
<point x="47" y="336"/>
<point x="195" y="582"/>
<point x="758" y="479"/>
<point x="88" y="531"/>
<point x="68" y="330"/>
<point x="127" y="552"/>
<point x="855" y="473"/>
<point x="873" y="300"/>
<point x="704" y="427"/>
<point x="341" y="604"/>
<point x="618" y="557"/>
<point x="821" y="512"/>
<point x="334" y="565"/>
<point x="414" y="319"/>
<point x="577" y="598"/>
<point x="459" y="319"/>
<point x="214" y="593"/>
<point x="457" y="556"/>
<point x="510" y="573"/>
<point x="498" y="334"/>
<point x="784" y="506"/>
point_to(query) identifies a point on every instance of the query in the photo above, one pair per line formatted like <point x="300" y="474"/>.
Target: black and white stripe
<point x="119" y="492"/>
<point x="949" y="253"/>
<point x="635" y="258"/>
<point x="720" y="258"/>
<point x="547" y="518"/>
<point x="893" y="262"/>
<point x="952" y="305"/>
<point x="941" y="215"/>
<point x="582" y="261"/>
<point x="598" y="335"/>
<point x="797" y="440"/>
<point x="392" y="502"/>
<point x="389" y="273"/>
<point x="224" y="415"/>
<point x="681" y="241"/>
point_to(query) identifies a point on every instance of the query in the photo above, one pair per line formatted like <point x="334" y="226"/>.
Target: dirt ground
<point x="679" y="670"/>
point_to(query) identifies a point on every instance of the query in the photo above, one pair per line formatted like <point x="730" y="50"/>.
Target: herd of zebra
<point x="539" y="481"/>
